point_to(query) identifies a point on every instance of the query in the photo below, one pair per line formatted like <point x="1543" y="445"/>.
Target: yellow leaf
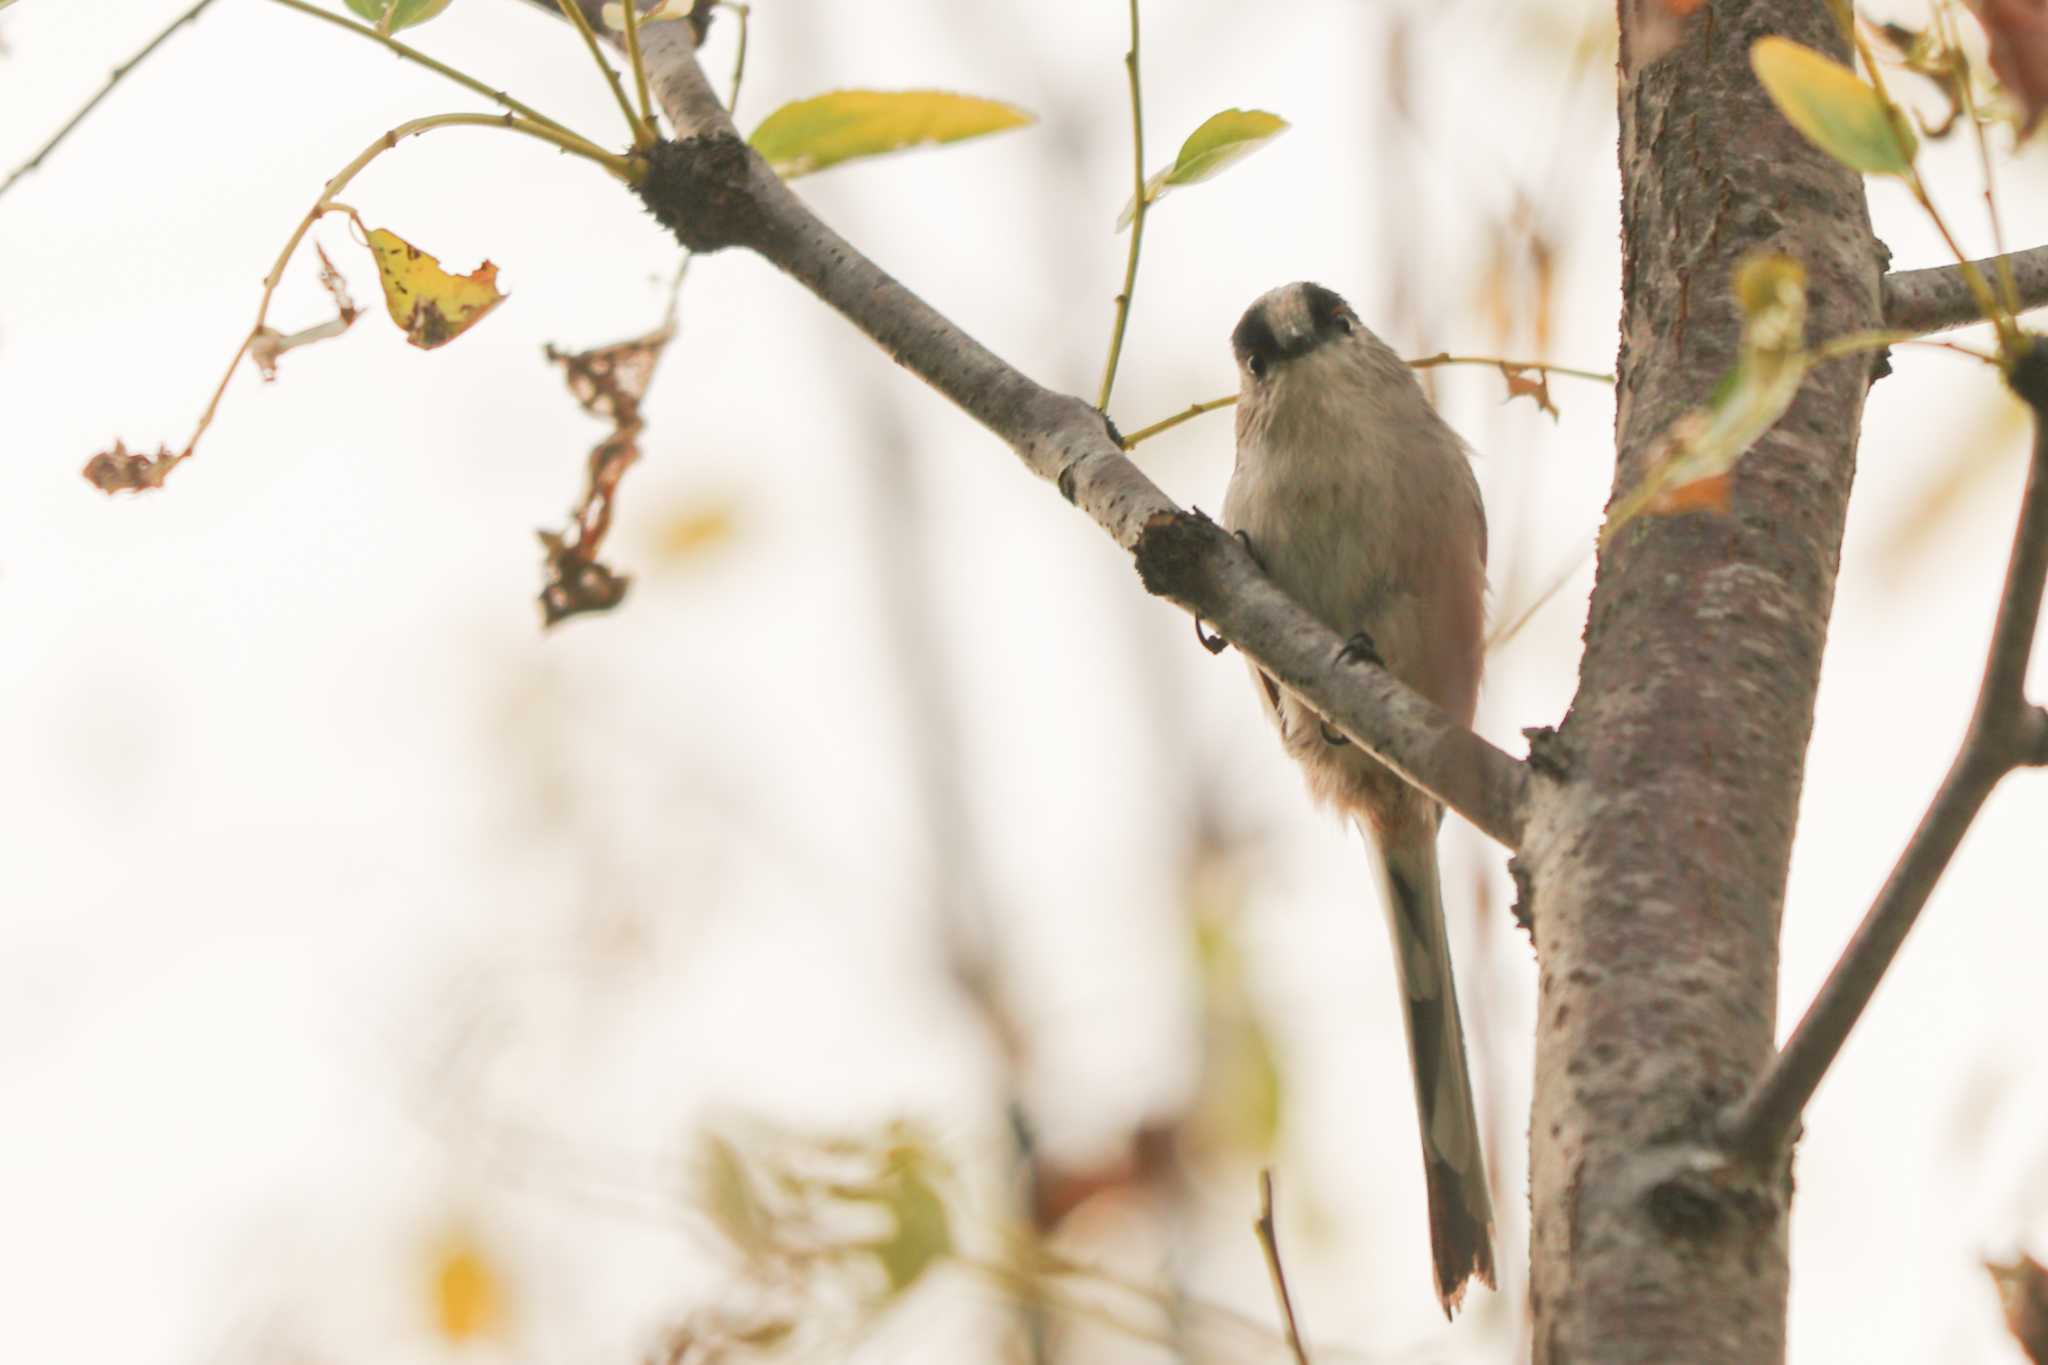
<point x="431" y="306"/>
<point x="467" y="1299"/>
<point x="809" y="135"/>
<point x="1834" y="109"/>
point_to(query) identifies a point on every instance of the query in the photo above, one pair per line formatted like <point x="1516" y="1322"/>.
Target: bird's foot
<point x="1360" y="649"/>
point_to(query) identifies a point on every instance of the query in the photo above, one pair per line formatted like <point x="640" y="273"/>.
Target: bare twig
<point x="713" y="191"/>
<point x="1936" y="299"/>
<point x="2005" y="732"/>
<point x="1187" y="414"/>
<point x="114" y="78"/>
<point x="1270" y="1242"/>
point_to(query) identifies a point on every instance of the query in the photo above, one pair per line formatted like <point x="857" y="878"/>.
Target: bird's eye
<point x="1343" y="323"/>
<point x="1257" y="365"/>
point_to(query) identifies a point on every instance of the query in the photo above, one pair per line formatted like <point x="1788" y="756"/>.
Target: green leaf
<point x="809" y="135"/>
<point x="392" y="15"/>
<point x="1222" y="139"/>
<point x="1836" y="111"/>
<point x="923" y="1232"/>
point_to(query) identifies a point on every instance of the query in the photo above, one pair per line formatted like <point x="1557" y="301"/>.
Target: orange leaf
<point x="1711" y="494"/>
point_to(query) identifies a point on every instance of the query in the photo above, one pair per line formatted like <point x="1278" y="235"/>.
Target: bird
<point x="1359" y="500"/>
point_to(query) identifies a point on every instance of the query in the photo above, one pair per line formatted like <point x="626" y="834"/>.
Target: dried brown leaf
<point x="2023" y="1294"/>
<point x="1520" y="385"/>
<point x="2017" y="31"/>
<point x="121" y="470"/>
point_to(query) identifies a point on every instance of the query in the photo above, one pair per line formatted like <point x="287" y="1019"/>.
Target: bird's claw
<point x="1215" y="644"/>
<point x="1360" y="649"/>
<point x="1244" y="539"/>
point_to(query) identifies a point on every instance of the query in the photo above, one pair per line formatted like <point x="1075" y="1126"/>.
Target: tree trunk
<point x="1656" y="854"/>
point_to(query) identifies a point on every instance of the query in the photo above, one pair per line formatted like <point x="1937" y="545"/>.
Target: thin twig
<point x="1944" y="18"/>
<point x="1937" y="299"/>
<point x="1123" y="300"/>
<point x="1188" y="414"/>
<point x="1270" y="1241"/>
<point x="1498" y="362"/>
<point x="643" y="131"/>
<point x="113" y="79"/>
<point x="326" y="204"/>
<point x="2004" y="733"/>
<point x="741" y="13"/>
<point x="1194" y="410"/>
<point x="573" y="11"/>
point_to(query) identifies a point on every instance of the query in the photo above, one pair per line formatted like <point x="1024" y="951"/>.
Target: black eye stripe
<point x="1254" y="335"/>
<point x="1324" y="305"/>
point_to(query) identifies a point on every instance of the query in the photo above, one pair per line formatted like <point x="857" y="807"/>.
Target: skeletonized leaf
<point x="1695" y="460"/>
<point x="392" y="15"/>
<point x="1835" y="110"/>
<point x="431" y="306"/>
<point x="809" y="135"/>
<point x="1222" y="139"/>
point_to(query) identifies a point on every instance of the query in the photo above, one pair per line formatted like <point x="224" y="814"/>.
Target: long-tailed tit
<point x="1360" y="502"/>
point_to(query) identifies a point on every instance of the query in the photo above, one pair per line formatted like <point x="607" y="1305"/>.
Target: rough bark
<point x="1657" y="868"/>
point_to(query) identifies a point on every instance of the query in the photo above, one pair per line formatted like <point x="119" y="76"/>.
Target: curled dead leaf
<point x="1520" y="385"/>
<point x="121" y="470"/>
<point x="608" y="382"/>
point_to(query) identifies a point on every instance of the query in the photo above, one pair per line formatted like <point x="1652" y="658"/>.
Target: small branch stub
<point x="701" y="189"/>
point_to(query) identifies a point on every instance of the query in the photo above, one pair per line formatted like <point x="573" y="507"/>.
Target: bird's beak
<point x="1294" y="329"/>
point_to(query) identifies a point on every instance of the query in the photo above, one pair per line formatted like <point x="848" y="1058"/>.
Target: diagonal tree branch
<point x="713" y="192"/>
<point x="2005" y="732"/>
<point x="1936" y="299"/>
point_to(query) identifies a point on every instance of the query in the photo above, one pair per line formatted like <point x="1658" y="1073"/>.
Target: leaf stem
<point x="644" y="134"/>
<point x="741" y="12"/>
<point x="1123" y="300"/>
<point x="574" y="13"/>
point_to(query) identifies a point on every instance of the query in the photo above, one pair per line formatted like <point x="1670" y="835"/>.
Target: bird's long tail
<point x="1460" y="1210"/>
